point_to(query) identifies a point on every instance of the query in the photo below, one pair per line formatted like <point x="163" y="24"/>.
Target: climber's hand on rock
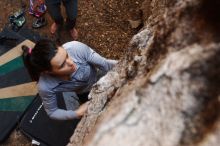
<point x="82" y="109"/>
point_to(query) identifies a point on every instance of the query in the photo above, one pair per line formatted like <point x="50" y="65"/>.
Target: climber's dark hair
<point x="37" y="59"/>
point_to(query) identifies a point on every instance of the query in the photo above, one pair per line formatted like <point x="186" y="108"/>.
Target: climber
<point x="71" y="67"/>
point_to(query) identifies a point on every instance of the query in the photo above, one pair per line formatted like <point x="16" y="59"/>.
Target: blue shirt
<point x="87" y="62"/>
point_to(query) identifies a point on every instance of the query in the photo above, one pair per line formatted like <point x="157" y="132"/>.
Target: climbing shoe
<point x="17" y="20"/>
<point x="39" y="22"/>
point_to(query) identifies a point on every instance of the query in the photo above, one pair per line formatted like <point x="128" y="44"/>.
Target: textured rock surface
<point x="165" y="92"/>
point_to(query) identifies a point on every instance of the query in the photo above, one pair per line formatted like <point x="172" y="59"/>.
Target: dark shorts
<point x="54" y="9"/>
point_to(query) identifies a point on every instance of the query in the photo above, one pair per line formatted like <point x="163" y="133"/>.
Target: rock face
<point x="166" y="90"/>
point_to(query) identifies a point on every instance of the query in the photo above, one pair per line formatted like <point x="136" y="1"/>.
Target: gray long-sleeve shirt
<point x="81" y="81"/>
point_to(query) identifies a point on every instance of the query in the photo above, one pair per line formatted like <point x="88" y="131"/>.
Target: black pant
<point x="83" y="97"/>
<point x="54" y="9"/>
